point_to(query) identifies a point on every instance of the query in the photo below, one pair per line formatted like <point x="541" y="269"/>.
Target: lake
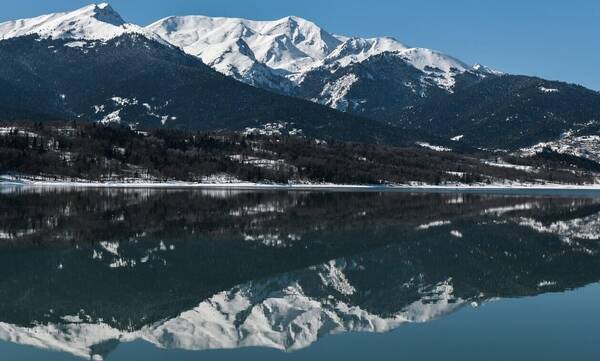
<point x="142" y="274"/>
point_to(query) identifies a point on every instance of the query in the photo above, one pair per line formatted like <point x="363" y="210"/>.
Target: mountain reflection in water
<point x="85" y="270"/>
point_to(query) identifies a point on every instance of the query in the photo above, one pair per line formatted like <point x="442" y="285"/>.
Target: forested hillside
<point x="93" y="151"/>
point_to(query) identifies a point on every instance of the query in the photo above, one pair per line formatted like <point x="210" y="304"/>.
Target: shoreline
<point x="248" y="186"/>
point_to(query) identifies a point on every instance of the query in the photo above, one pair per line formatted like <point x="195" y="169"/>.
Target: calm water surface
<point x="226" y="275"/>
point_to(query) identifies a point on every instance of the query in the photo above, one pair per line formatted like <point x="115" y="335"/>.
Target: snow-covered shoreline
<point x="297" y="186"/>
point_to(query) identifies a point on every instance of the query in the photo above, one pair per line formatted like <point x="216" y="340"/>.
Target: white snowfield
<point x="290" y="47"/>
<point x="290" y="44"/>
<point x="92" y="22"/>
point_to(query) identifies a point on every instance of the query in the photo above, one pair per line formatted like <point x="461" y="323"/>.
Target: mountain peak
<point x="285" y="45"/>
<point x="102" y="12"/>
<point x="297" y="21"/>
<point x="105" y="13"/>
<point x="486" y="70"/>
<point x="91" y="22"/>
<point x="292" y="18"/>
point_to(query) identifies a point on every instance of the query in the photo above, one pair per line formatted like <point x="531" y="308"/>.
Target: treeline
<point x="96" y="152"/>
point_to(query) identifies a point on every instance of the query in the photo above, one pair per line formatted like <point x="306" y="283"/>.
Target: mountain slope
<point x="290" y="46"/>
<point x="509" y="112"/>
<point x="382" y="86"/>
<point x="132" y="78"/>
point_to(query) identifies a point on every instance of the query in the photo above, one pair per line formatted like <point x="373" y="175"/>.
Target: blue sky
<point x="555" y="39"/>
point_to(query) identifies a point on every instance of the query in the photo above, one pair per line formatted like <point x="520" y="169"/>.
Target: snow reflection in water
<point x="188" y="270"/>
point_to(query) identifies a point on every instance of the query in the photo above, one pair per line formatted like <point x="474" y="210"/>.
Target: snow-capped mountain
<point x="288" y="45"/>
<point x="261" y="53"/>
<point x="425" y="92"/>
<point x="429" y="61"/>
<point x="383" y="79"/>
<point x="280" y="55"/>
<point x="93" y="22"/>
<point x="90" y="64"/>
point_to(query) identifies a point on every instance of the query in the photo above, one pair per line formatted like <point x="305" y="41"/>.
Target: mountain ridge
<point x="281" y="45"/>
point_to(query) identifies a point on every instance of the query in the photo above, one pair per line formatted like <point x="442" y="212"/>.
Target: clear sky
<point x="554" y="39"/>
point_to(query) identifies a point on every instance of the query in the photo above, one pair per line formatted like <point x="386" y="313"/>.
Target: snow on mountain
<point x="356" y="50"/>
<point x="92" y="22"/>
<point x="444" y="67"/>
<point x="296" y="57"/>
<point x="486" y="70"/>
<point x="291" y="47"/>
<point x="247" y="49"/>
<point x="275" y="55"/>
<point x="584" y="146"/>
<point x="289" y="44"/>
<point x="334" y="94"/>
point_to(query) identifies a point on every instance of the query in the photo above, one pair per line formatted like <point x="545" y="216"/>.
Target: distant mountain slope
<point x="509" y="112"/>
<point x="382" y="86"/>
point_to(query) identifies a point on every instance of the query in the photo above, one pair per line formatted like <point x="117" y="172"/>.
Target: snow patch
<point x="457" y="234"/>
<point x="502" y="164"/>
<point x="586" y="146"/>
<point x="548" y="90"/>
<point x="433" y="225"/>
<point x="114" y="117"/>
<point x="436" y="148"/>
<point x="334" y="94"/>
